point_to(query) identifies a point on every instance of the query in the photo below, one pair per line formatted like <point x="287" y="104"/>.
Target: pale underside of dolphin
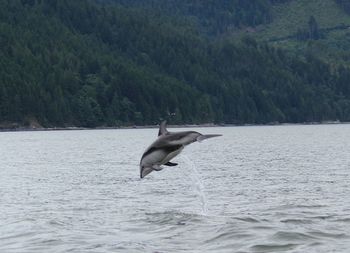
<point x="166" y="147"/>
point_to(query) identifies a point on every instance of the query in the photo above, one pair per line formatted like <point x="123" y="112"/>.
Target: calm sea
<point x="255" y="189"/>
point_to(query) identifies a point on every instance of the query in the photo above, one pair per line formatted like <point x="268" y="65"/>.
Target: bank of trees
<point x="83" y="64"/>
<point x="344" y="4"/>
<point x="212" y="17"/>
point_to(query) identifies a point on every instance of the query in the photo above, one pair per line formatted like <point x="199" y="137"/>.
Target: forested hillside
<point x="213" y="17"/>
<point x="317" y="26"/>
<point x="83" y="63"/>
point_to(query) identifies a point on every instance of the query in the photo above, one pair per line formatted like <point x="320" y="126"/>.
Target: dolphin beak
<point x="144" y="171"/>
<point x="207" y="136"/>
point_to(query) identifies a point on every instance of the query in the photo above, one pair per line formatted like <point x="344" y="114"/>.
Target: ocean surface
<point x="255" y="189"/>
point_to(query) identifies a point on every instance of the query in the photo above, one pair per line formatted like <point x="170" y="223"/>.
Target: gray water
<point x="255" y="189"/>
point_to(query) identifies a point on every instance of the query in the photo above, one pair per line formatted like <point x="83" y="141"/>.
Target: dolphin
<point x="166" y="147"/>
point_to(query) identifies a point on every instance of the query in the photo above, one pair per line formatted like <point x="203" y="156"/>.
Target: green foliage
<point x="291" y="29"/>
<point x="85" y="64"/>
<point x="345" y="4"/>
<point x="312" y="32"/>
<point x="213" y="16"/>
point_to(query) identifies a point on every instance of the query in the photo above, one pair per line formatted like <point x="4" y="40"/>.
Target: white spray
<point x="198" y="185"/>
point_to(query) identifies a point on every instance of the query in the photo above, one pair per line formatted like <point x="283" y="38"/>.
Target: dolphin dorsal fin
<point x="162" y="128"/>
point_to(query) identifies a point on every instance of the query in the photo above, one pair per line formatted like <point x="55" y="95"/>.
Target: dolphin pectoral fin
<point x="170" y="164"/>
<point x="207" y="136"/>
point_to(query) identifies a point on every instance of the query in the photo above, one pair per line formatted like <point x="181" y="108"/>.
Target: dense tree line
<point x="345" y="4"/>
<point x="312" y="32"/>
<point x="213" y="16"/>
<point x="79" y="63"/>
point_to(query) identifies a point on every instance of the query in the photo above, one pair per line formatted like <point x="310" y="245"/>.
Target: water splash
<point x="198" y="185"/>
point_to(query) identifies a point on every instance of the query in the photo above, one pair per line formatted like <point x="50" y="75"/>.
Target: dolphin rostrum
<point x="166" y="147"/>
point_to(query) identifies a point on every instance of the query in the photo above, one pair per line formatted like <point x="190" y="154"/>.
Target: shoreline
<point x="29" y="129"/>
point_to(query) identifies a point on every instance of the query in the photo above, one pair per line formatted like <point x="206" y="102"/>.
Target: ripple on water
<point x="273" y="247"/>
<point x="345" y="220"/>
<point x="297" y="221"/>
<point x="329" y="235"/>
<point x="173" y="218"/>
<point x="292" y="236"/>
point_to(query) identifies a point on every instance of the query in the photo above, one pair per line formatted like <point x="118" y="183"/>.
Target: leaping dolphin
<point x="166" y="147"/>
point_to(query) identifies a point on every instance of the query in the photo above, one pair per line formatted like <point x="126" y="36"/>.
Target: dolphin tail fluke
<point x="207" y="136"/>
